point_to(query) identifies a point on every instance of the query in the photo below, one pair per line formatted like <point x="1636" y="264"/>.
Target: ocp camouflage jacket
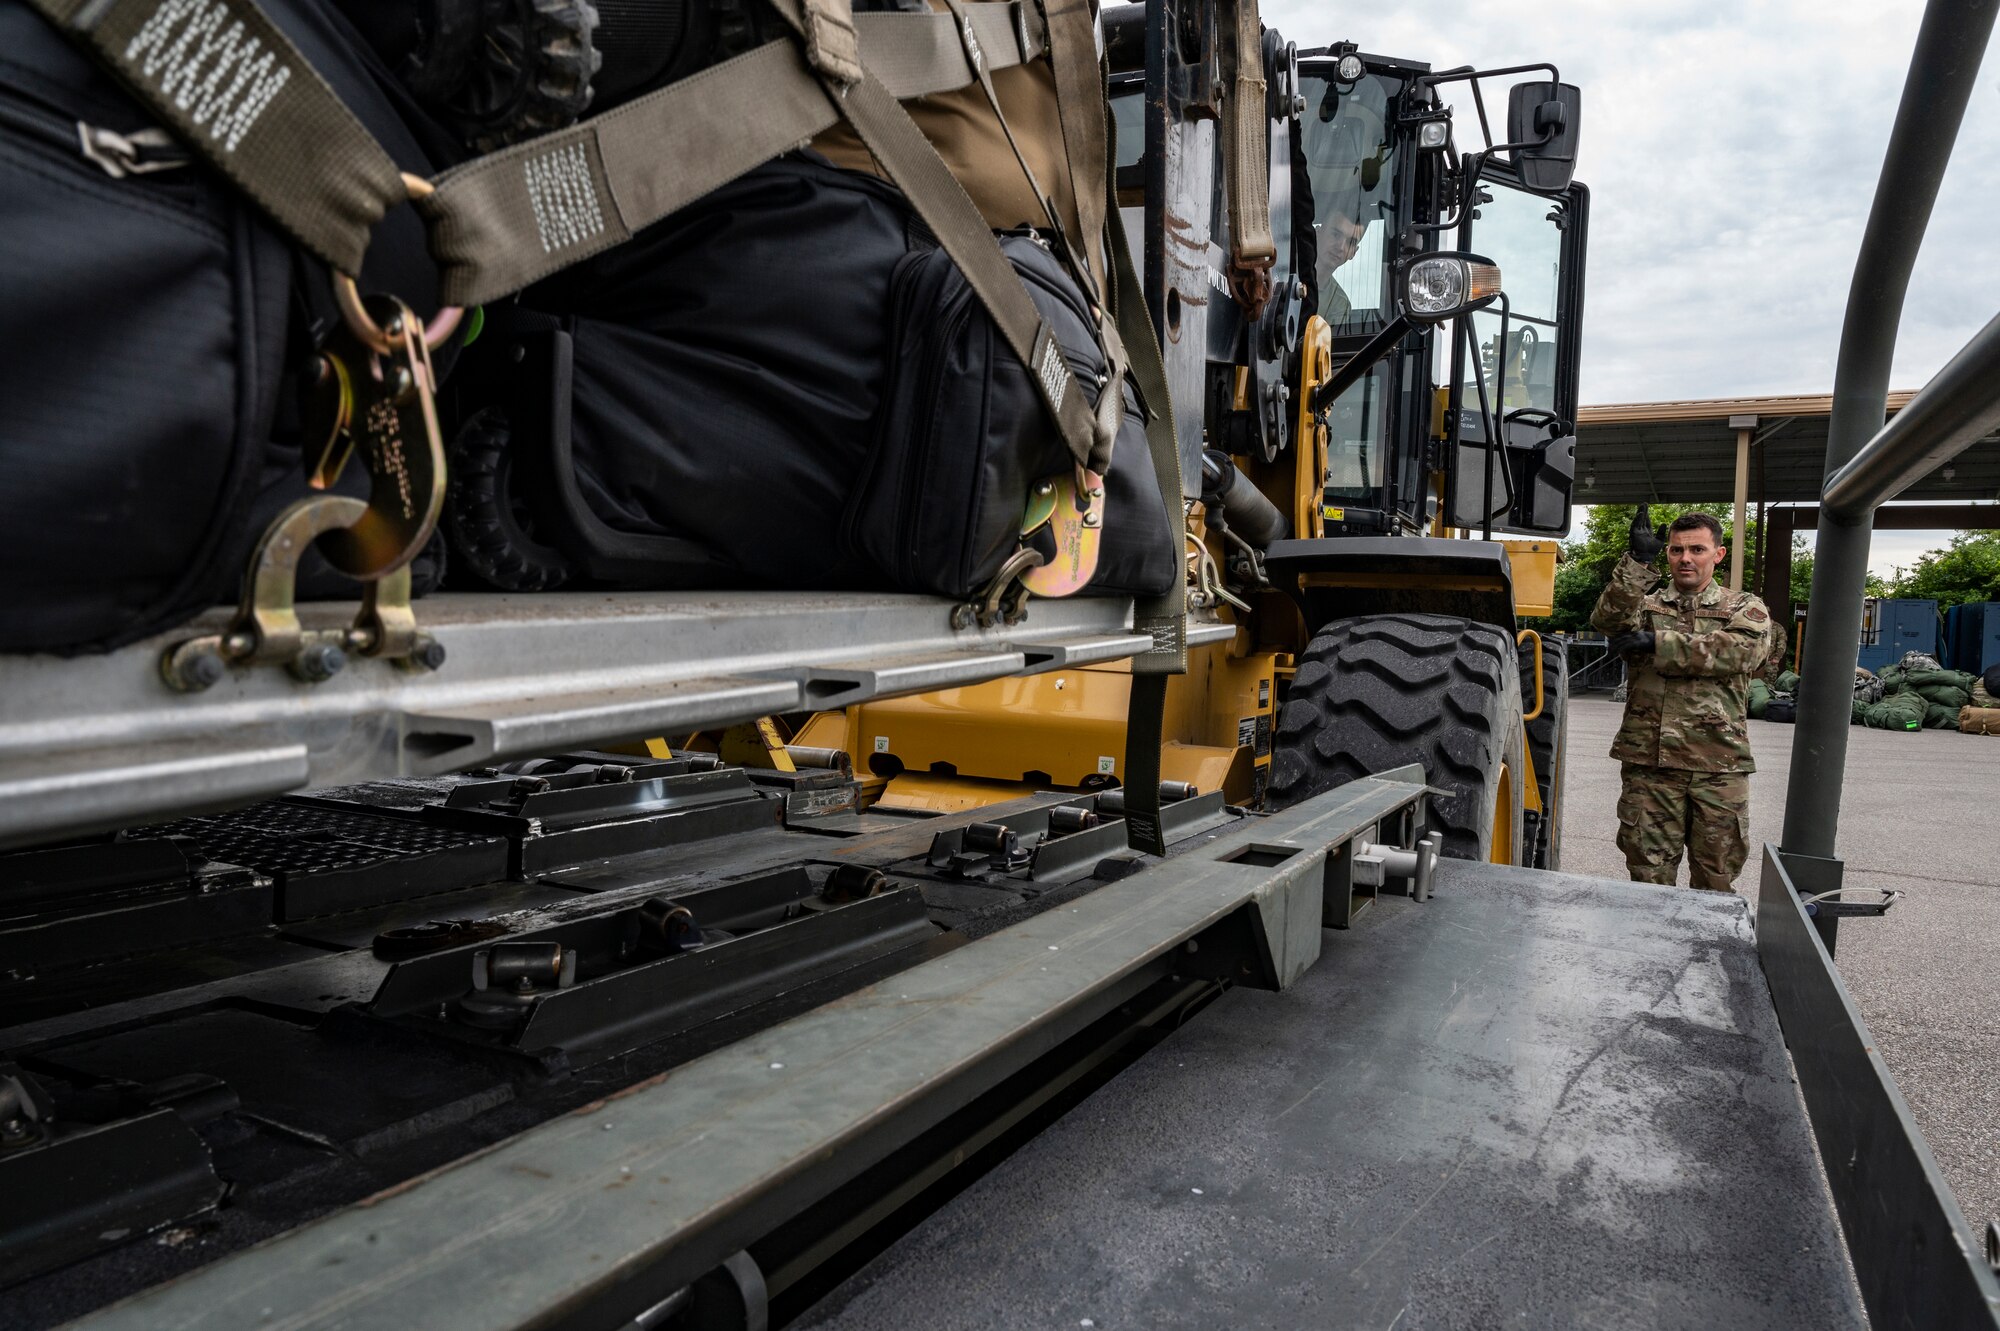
<point x="1686" y="705"/>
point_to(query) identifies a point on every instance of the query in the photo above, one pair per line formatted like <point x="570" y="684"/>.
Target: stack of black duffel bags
<point x="786" y="382"/>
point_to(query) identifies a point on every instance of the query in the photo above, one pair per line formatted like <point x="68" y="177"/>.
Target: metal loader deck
<point x="1538" y="1100"/>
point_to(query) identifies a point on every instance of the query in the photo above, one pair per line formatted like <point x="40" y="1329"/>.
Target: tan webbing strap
<point x="1080" y="106"/>
<point x="910" y="161"/>
<point x="234" y="88"/>
<point x="831" y="45"/>
<point x="1247" y="160"/>
<point x="918" y="54"/>
<point x="975" y="56"/>
<point x="515" y="216"/>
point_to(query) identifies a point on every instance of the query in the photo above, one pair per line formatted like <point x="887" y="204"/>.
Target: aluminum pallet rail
<point x="96" y="742"/>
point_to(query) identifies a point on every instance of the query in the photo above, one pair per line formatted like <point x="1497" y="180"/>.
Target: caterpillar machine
<point x="441" y="995"/>
<point x="1338" y="432"/>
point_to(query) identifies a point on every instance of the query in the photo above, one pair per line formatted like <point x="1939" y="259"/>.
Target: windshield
<point x="1350" y="149"/>
<point x="1351" y="156"/>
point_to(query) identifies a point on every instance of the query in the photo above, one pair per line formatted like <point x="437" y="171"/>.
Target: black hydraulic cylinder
<point x="1249" y="514"/>
<point x="1943" y="71"/>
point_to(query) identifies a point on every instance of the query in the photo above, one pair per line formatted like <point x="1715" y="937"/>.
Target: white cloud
<point x="1731" y="152"/>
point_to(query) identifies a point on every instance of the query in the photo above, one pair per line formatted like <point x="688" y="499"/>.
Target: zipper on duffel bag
<point x="139" y="153"/>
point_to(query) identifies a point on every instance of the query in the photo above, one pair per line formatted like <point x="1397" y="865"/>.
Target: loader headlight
<point x="1438" y="286"/>
<point x="1433" y="133"/>
<point x="1348" y="69"/>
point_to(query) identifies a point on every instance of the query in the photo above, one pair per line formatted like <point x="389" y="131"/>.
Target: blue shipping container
<point x="1900" y="626"/>
<point x="1972" y="636"/>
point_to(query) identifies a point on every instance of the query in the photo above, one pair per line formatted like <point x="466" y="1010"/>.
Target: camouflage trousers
<point x="1662" y="809"/>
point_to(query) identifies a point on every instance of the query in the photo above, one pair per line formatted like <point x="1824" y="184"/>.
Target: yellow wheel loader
<point x="1350" y="454"/>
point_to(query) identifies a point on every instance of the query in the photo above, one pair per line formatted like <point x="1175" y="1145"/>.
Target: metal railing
<point x="1867" y="462"/>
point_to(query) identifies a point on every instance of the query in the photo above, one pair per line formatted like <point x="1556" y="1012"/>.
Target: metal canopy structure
<point x="1652" y="452"/>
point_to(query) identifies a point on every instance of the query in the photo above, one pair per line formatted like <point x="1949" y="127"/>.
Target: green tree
<point x="1966" y="570"/>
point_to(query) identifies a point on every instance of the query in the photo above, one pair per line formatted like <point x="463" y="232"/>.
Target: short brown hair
<point x="1689" y="521"/>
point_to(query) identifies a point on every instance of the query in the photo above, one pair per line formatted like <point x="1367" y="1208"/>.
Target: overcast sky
<point x="1731" y="152"/>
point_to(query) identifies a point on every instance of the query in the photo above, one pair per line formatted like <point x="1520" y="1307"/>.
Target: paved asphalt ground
<point x="1920" y="812"/>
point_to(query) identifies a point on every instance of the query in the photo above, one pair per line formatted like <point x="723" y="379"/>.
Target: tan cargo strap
<point x="910" y="161"/>
<point x="918" y="54"/>
<point x="831" y="45"/>
<point x="235" y="88"/>
<point x="513" y="217"/>
<point x="1110" y="401"/>
<point x="1081" y="109"/>
<point x="1247" y="160"/>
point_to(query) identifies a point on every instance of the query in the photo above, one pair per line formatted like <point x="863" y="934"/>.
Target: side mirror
<point x="1432" y="288"/>
<point x="1543" y="121"/>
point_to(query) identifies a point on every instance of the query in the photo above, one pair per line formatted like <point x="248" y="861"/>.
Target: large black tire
<point x="1383" y="691"/>
<point x="1548" y="745"/>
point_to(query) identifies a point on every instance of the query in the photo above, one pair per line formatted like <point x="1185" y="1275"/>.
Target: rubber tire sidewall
<point x="1373" y="688"/>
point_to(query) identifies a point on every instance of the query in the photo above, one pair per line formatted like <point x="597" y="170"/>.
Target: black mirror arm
<point x="1467" y="74"/>
<point x="1361" y="362"/>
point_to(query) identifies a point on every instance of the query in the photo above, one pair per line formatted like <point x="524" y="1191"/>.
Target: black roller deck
<point x="1537" y="1100"/>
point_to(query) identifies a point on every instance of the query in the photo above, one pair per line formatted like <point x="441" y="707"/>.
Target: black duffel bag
<point x="962" y="439"/>
<point x="787" y="384"/>
<point x="151" y="326"/>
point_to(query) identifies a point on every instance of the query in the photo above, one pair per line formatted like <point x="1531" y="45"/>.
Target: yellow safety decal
<point x="1333" y="514"/>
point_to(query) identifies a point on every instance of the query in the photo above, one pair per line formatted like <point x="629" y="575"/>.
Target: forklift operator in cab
<point x="1339" y="238"/>
<point x="1690" y="649"/>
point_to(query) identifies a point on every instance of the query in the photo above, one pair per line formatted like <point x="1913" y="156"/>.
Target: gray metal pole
<point x="1943" y="72"/>
<point x="1956" y="409"/>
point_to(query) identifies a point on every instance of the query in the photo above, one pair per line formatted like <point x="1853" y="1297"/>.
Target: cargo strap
<point x="1246" y="155"/>
<point x="235" y="88"/>
<point x="1080" y="108"/>
<point x="1164" y="617"/>
<point x="1110" y="404"/>
<point x="909" y="160"/>
<point x="509" y="219"/>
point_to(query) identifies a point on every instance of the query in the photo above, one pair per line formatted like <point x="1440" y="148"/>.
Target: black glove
<point x="1646" y="540"/>
<point x="1631" y="644"/>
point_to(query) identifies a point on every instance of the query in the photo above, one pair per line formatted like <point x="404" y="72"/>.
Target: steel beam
<point x="575" y="1220"/>
<point x="1954" y="411"/>
<point x="1903" y="517"/>
<point x="1943" y="72"/>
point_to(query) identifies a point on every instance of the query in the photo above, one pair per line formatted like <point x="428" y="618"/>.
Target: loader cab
<point x="1388" y="181"/>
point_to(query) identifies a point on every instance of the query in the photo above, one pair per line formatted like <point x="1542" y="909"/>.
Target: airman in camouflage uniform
<point x="1690" y="648"/>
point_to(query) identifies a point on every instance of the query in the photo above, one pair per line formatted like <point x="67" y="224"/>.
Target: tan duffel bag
<point x="1979" y="720"/>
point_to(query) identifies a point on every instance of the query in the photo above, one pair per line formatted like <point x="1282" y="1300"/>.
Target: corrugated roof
<point x="1722" y="408"/>
<point x="1685" y="452"/>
